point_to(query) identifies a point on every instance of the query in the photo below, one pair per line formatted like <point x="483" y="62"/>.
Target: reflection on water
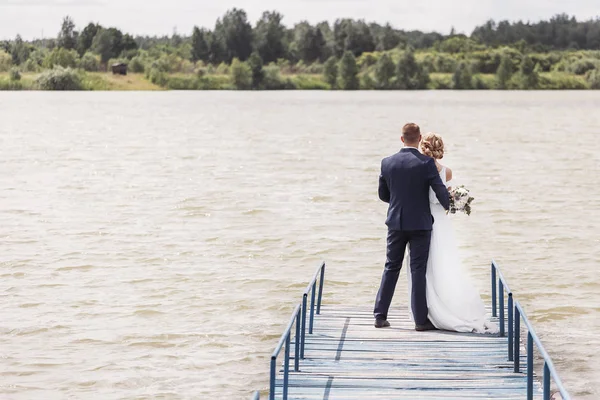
<point x="154" y="245"/>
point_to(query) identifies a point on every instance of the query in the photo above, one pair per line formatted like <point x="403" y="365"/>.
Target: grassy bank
<point x="277" y="78"/>
<point x="89" y="81"/>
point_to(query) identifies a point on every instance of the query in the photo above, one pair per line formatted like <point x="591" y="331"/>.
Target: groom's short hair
<point x="411" y="133"/>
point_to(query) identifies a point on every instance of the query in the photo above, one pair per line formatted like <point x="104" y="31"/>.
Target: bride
<point x="453" y="300"/>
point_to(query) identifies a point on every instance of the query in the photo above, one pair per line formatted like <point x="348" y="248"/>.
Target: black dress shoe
<point x="428" y="326"/>
<point x="381" y="323"/>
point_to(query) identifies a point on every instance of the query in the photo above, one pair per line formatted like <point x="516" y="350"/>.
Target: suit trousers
<point x="419" y="242"/>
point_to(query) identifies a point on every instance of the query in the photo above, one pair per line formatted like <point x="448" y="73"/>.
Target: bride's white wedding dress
<point x="453" y="300"/>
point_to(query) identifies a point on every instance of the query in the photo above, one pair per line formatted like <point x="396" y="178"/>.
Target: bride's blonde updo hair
<point x="432" y="145"/>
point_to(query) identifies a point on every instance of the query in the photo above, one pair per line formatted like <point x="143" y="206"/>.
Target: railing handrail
<point x="312" y="289"/>
<point x="501" y="277"/>
<point x="299" y="317"/>
<point x="547" y="359"/>
<point x="515" y="309"/>
<point x="314" y="279"/>
<point x="286" y="332"/>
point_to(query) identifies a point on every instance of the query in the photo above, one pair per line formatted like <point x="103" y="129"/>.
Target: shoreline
<point x="106" y="81"/>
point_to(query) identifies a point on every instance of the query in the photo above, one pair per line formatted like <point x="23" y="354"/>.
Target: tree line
<point x="348" y="54"/>
<point x="233" y="36"/>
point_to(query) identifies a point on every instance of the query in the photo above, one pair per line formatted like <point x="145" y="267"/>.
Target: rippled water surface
<point x="153" y="245"/>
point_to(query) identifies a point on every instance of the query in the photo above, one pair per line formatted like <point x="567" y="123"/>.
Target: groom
<point x="404" y="183"/>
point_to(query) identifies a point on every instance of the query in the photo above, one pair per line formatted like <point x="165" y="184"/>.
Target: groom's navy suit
<point x="404" y="183"/>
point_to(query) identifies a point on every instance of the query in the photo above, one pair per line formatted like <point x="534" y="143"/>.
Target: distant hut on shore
<point x="119" y="69"/>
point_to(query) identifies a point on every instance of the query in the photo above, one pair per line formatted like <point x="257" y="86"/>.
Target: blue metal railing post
<point x="272" y="383"/>
<point x="300" y="317"/>
<point x="517" y="342"/>
<point x="312" y="308"/>
<point x="510" y="327"/>
<point x="529" y="366"/>
<point x="286" y="367"/>
<point x="501" y="298"/>
<point x="494" y="303"/>
<point x="285" y="341"/>
<point x="320" y="288"/>
<point x="546" y="382"/>
<point x="549" y="370"/>
<point x="297" y="345"/>
<point x="303" y="334"/>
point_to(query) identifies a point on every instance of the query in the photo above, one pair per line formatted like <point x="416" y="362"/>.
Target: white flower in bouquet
<point x="460" y="200"/>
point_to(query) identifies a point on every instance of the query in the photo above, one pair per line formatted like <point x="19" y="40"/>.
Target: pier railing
<point x="515" y="316"/>
<point x="299" y="321"/>
<point x="510" y="314"/>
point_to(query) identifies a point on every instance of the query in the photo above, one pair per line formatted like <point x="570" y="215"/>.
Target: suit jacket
<point x="404" y="183"/>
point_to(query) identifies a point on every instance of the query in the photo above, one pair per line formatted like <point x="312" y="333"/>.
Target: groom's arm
<point x="441" y="191"/>
<point x="384" y="190"/>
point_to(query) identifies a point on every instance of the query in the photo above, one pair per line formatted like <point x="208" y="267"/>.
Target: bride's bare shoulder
<point x="448" y="171"/>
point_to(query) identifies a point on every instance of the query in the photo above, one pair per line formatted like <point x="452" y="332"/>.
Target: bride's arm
<point x="448" y="177"/>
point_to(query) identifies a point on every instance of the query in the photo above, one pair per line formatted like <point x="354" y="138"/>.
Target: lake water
<point x="153" y="245"/>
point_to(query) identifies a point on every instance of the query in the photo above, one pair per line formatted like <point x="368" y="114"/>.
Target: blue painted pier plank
<point x="347" y="358"/>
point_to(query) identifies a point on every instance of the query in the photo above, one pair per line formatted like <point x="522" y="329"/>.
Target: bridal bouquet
<point x="460" y="200"/>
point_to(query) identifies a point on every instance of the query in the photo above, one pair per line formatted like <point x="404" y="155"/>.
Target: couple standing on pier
<point x="414" y="183"/>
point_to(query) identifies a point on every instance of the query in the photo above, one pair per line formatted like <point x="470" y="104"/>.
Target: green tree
<point x="89" y="62"/>
<point x="330" y="70"/>
<point x="457" y="44"/>
<point x="269" y="36"/>
<point x="20" y="51"/>
<point x="593" y="79"/>
<point x="86" y="38"/>
<point x="388" y="39"/>
<point x="235" y="34"/>
<point x="67" y="37"/>
<point x="327" y="33"/>
<point x="504" y="72"/>
<point x="128" y="43"/>
<point x="5" y="61"/>
<point x="15" y="74"/>
<point x="410" y="74"/>
<point x="528" y="77"/>
<point x="241" y="74"/>
<point x="272" y="80"/>
<point x="62" y="57"/>
<point x="384" y="72"/>
<point x="462" y="78"/>
<point x="200" y="46"/>
<point x="137" y="65"/>
<point x="354" y="36"/>
<point x="59" y="79"/>
<point x="348" y="72"/>
<point x="117" y="41"/>
<point x="109" y="43"/>
<point x="103" y="45"/>
<point x="256" y="65"/>
<point x="216" y="49"/>
<point x="367" y="82"/>
<point x="36" y="59"/>
<point x="309" y="43"/>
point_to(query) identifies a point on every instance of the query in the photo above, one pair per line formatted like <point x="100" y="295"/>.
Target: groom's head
<point x="411" y="135"/>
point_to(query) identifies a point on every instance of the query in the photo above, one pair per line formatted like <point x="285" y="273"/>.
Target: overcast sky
<point x="32" y="18"/>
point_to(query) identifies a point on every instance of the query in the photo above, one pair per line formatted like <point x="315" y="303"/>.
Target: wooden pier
<point x="337" y="353"/>
<point x="347" y="358"/>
